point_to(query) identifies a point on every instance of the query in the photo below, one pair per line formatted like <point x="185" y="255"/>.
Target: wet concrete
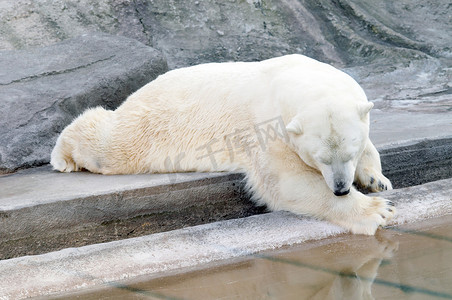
<point x="404" y="262"/>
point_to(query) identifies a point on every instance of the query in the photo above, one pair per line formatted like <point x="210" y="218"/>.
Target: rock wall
<point x="191" y="32"/>
<point x="43" y="89"/>
<point x="384" y="44"/>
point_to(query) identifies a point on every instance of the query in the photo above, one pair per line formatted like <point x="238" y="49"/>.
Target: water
<point x="405" y="262"/>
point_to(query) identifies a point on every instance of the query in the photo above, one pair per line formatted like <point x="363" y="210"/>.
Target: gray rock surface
<point x="400" y="51"/>
<point x="43" y="89"/>
<point x="348" y="31"/>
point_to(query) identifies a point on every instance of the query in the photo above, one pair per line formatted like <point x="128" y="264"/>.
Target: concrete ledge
<point x="100" y="264"/>
<point x="417" y="162"/>
<point x="76" y="209"/>
<point x="42" y="210"/>
<point x="415" y="147"/>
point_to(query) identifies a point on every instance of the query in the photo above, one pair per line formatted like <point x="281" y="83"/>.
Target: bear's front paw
<point x="373" y="181"/>
<point x="378" y="213"/>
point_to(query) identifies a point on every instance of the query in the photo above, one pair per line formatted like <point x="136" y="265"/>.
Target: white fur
<point x="170" y="124"/>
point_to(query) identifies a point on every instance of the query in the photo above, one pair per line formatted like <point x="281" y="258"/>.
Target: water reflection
<point x="398" y="263"/>
<point x="348" y="267"/>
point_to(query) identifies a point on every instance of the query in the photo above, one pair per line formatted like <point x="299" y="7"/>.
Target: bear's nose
<point x="341" y="193"/>
<point x="340" y="189"/>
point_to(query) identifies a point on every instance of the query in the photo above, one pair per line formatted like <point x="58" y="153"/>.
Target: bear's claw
<point x="382" y="186"/>
<point x="376" y="213"/>
<point x="373" y="181"/>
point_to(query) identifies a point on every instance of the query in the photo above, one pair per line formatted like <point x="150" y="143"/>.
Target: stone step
<point x="103" y="265"/>
<point x="42" y="210"/>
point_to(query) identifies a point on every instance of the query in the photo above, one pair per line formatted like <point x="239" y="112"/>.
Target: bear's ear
<point x="294" y="126"/>
<point x="363" y="109"/>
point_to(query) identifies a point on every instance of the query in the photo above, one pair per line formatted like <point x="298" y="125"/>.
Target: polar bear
<point x="298" y="129"/>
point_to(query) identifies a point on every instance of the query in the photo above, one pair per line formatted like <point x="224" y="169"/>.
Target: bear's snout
<point x="340" y="188"/>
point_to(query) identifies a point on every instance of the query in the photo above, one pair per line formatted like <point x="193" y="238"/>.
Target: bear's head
<point x="332" y="140"/>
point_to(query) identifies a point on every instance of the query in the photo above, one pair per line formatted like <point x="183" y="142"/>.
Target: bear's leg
<point x="307" y="193"/>
<point x="368" y="173"/>
<point x="282" y="181"/>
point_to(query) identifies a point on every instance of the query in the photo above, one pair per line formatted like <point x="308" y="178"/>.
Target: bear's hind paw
<point x="63" y="166"/>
